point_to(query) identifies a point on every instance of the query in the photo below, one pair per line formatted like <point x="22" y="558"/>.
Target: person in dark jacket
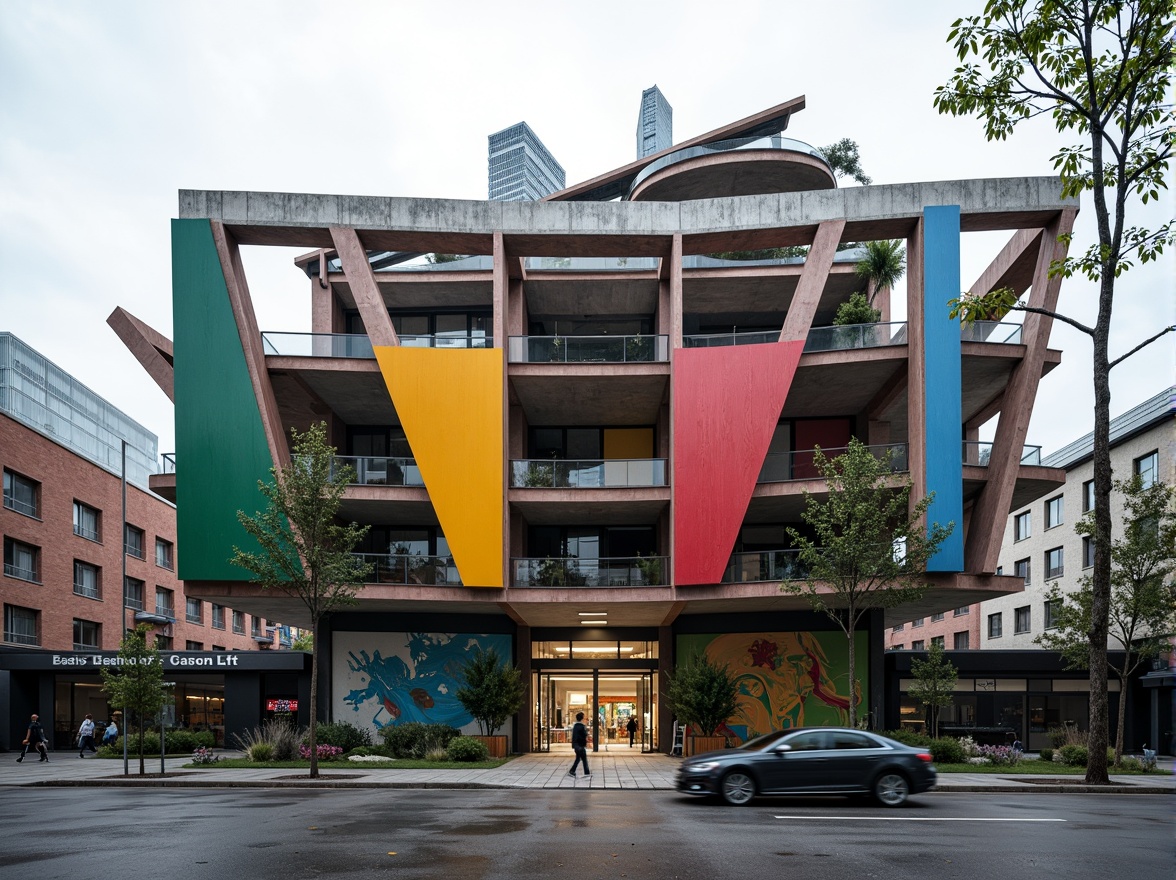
<point x="34" y="739"/>
<point x="632" y="728"/>
<point x="580" y="745"/>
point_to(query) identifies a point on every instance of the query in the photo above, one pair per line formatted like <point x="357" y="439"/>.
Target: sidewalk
<point x="644" y="772"/>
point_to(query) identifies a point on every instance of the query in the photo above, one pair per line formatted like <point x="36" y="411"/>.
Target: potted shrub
<point x="702" y="694"/>
<point x="492" y="691"/>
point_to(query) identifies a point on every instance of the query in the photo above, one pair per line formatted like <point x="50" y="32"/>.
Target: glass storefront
<point x="607" y="699"/>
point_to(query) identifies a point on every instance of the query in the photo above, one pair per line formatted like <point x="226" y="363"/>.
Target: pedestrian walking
<point x="110" y="734"/>
<point x="34" y="739"/>
<point x="580" y="745"/>
<point x="86" y="737"/>
<point x="632" y="728"/>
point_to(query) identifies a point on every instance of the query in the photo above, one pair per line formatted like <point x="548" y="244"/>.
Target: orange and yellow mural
<point x="785" y="679"/>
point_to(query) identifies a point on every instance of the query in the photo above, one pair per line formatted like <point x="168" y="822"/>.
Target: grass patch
<point x="1037" y="768"/>
<point x="390" y="764"/>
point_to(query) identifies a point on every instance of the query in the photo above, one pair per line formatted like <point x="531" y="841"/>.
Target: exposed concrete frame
<point x="364" y="288"/>
<point x="500" y="299"/>
<point x="271" y="421"/>
<point x="982" y="548"/>
<point x="151" y="349"/>
<point x="813" y="278"/>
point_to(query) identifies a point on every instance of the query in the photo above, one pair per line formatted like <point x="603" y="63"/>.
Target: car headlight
<point x="702" y="767"/>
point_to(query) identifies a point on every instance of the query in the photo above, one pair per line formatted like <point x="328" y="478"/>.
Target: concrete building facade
<point x="583" y="445"/>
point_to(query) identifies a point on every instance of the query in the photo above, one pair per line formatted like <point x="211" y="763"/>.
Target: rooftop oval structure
<point x="739" y="167"/>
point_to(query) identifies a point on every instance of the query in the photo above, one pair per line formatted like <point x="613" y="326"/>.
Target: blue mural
<point x="393" y="678"/>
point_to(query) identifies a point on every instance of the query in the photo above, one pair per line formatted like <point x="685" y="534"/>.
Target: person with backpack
<point x="580" y="745"/>
<point x="34" y="739"/>
<point x="86" y="737"/>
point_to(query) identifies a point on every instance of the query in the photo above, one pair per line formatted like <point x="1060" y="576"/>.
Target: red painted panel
<point x="810" y="433"/>
<point x="727" y="402"/>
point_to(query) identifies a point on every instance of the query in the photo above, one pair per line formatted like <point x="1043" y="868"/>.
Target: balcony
<point x="357" y="345"/>
<point x="978" y="454"/>
<point x="766" y="565"/>
<point x="854" y="336"/>
<point x="638" y="571"/>
<point x="610" y="474"/>
<point x="850" y="337"/>
<point x="713" y="340"/>
<point x="161" y="614"/>
<point x="780" y="467"/>
<point x="380" y="471"/>
<point x="592" y="264"/>
<point x="408" y="570"/>
<point x="588" y="349"/>
<point x="169" y="463"/>
<point x="991" y="331"/>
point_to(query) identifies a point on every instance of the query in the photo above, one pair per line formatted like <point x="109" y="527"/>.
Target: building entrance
<point x="609" y="700"/>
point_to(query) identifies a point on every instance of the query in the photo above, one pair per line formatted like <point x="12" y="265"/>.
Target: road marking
<point x="918" y="819"/>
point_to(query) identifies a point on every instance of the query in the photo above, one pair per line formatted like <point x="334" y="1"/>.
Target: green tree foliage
<point x="867" y="546"/>
<point x="856" y="310"/>
<point x="491" y="691"/>
<point x="776" y="253"/>
<point x="882" y="266"/>
<point x="303" y="642"/>
<point x="1143" y="592"/>
<point x="933" y="683"/>
<point x="136" y="683"/>
<point x="1101" y="70"/>
<point x="444" y="258"/>
<point x="845" y="161"/>
<point x="304" y="551"/>
<point x="702" y="693"/>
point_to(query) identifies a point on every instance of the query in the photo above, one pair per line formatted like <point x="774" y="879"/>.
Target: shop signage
<point x="177" y="661"/>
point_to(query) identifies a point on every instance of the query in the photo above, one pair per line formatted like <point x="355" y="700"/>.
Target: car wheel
<point x="737" y="788"/>
<point x="891" y="789"/>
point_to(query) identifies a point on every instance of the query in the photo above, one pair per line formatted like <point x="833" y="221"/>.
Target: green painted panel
<point x="221" y="450"/>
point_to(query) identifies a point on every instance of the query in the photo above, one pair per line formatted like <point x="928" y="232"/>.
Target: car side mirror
<point x="782" y="749"/>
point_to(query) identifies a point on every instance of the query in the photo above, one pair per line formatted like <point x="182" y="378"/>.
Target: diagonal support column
<point x="364" y="287"/>
<point x="804" y="303"/>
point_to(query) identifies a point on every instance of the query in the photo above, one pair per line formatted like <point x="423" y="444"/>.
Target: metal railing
<point x="431" y="340"/>
<point x="588" y="349"/>
<point x="90" y="591"/>
<point x="84" y="532"/>
<point x="24" y="574"/>
<point x="594" y="474"/>
<point x="168" y="460"/>
<point x="380" y="470"/>
<point x="132" y="603"/>
<point x="591" y="264"/>
<point x="765" y="565"/>
<point x="633" y="571"/>
<point x="19" y="505"/>
<point x="332" y="345"/>
<point x="713" y="340"/>
<point x="852" y="336"/>
<point x="20" y="638"/>
<point x="979" y="454"/>
<point x="165" y="611"/>
<point x="411" y="570"/>
<point x="779" y="467"/>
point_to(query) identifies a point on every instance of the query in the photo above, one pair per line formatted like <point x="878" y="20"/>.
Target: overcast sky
<point x="108" y="109"/>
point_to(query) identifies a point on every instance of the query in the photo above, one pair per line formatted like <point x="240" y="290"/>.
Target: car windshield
<point x="762" y="742"/>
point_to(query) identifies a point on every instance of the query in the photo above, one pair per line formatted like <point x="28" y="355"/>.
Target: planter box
<point x="495" y="745"/>
<point x="697" y="745"/>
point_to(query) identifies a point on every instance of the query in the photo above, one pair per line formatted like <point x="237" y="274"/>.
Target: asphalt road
<point x="462" y="835"/>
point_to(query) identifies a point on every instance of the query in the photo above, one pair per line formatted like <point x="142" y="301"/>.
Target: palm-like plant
<point x="882" y="266"/>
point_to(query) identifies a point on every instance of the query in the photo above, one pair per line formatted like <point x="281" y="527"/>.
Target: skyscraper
<point x="521" y="168"/>
<point x="655" y="123"/>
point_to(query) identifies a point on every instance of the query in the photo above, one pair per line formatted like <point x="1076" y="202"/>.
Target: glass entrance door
<point x="545" y="713"/>
<point x="646" y="713"/>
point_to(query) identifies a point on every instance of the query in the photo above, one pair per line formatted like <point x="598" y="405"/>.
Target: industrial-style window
<point x="85" y="579"/>
<point x="996" y="625"/>
<point x="1022" y="619"/>
<point x="165" y="602"/>
<point x="960" y="641"/>
<point x="193" y="646"/>
<point x="918" y="621"/>
<point x="938" y="642"/>
<point x="1022" y="526"/>
<point x="22" y="561"/>
<point x="961" y="611"/>
<point x="239" y="623"/>
<point x="917" y="645"/>
<point x="938" y="615"/>
<point x="1148" y="467"/>
<point x="85" y="634"/>
<point x="218" y="616"/>
<point x="20" y="625"/>
<point x="133" y="542"/>
<point x="163" y="553"/>
<point x="1053" y="512"/>
<point x="1054" y="567"/>
<point x="133" y="593"/>
<point x="22" y="494"/>
<point x="86" y="521"/>
<point x="1021" y="569"/>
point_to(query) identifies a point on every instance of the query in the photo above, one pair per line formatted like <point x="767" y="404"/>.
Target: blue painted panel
<point x="941" y="359"/>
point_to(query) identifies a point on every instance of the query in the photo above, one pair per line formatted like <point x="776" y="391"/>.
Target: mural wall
<point x="785" y="679"/>
<point x="384" y="678"/>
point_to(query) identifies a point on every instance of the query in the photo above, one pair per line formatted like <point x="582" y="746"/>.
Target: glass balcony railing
<point x="381" y="471"/>
<point x="588" y="349"/>
<point x="592" y="264"/>
<point x="169" y="463"/>
<point x="767" y="142"/>
<point x="851" y="336"/>
<point x="979" y="454"/>
<point x="441" y="340"/>
<point x="613" y="473"/>
<point x="638" y="571"/>
<point x="991" y="331"/>
<point x="712" y="340"/>
<point x="409" y="570"/>
<point x="323" y="345"/>
<point x="779" y="467"/>
<point x="766" y="565"/>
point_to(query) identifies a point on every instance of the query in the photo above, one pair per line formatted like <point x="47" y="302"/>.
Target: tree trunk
<point x="1122" y="715"/>
<point x="312" y="737"/>
<point x="852" y="676"/>
<point x="142" y="760"/>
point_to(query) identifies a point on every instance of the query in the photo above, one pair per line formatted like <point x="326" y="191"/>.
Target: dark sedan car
<point x="811" y="760"/>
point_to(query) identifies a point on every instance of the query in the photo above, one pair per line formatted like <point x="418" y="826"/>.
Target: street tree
<point x="135" y="684"/>
<point x="491" y="691"/>
<point x="1101" y="69"/>
<point x="867" y="546"/>
<point x="303" y="549"/>
<point x="703" y="693"/>
<point x="933" y="683"/>
<point x="1143" y="592"/>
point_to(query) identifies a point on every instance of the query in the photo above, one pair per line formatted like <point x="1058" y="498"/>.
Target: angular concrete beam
<point x="150" y="347"/>
<point x="368" y="298"/>
<point x="803" y="307"/>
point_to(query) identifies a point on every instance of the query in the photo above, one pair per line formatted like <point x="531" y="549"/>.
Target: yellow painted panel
<point x="450" y="404"/>
<point x="628" y="443"/>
